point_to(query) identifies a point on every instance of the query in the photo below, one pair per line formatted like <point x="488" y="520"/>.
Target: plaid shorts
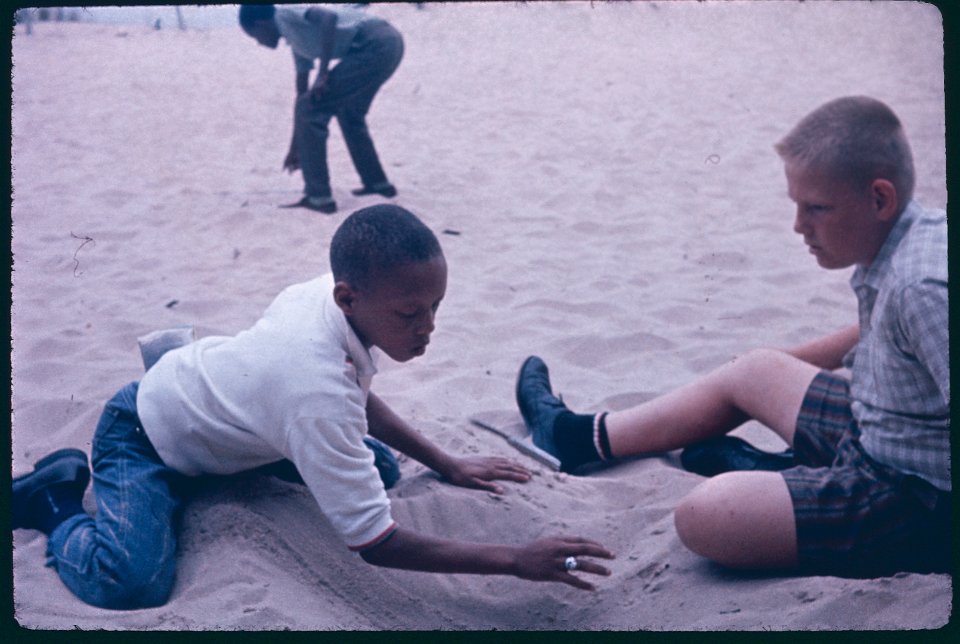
<point x="855" y="516"/>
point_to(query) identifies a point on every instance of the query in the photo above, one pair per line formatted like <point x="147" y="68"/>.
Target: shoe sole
<point x="327" y="208"/>
<point x="389" y="193"/>
<point x="62" y="466"/>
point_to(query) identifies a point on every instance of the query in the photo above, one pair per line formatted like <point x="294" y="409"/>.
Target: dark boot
<point x="538" y="406"/>
<point x="52" y="493"/>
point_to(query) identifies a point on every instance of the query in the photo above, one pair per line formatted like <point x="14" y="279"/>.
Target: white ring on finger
<point x="570" y="563"/>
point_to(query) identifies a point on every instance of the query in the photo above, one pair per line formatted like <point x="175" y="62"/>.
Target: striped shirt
<point x="900" y="368"/>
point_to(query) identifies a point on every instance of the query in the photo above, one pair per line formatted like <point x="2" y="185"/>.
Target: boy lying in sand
<point x="867" y="489"/>
<point x="295" y="386"/>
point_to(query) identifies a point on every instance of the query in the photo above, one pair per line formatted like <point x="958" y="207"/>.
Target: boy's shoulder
<point x="922" y="254"/>
<point x="310" y="292"/>
<point x="301" y="309"/>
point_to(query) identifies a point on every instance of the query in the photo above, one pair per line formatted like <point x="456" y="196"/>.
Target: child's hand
<point x="478" y="472"/>
<point x="319" y="87"/>
<point x="555" y="558"/>
<point x="292" y="161"/>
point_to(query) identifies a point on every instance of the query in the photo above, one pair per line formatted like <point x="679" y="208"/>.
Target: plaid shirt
<point x="900" y="368"/>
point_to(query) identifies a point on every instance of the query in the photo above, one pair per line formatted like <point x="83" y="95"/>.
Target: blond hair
<point x="855" y="139"/>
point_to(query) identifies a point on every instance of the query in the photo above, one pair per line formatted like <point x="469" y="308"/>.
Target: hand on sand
<point x="479" y="471"/>
<point x="544" y="560"/>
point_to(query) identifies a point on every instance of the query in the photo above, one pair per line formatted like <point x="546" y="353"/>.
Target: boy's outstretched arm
<point x="474" y="472"/>
<point x="541" y="560"/>
<point x="827" y="352"/>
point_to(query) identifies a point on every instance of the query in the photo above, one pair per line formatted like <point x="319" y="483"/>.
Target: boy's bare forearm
<point x="385" y="425"/>
<point x="546" y="559"/>
<point x="412" y="551"/>
<point x="827" y="352"/>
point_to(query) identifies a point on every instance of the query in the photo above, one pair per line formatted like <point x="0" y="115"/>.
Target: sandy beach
<point x="602" y="179"/>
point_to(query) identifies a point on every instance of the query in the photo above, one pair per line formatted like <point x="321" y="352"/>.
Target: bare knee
<point x="769" y="386"/>
<point x="694" y="517"/>
<point x="739" y="520"/>
<point x="757" y="361"/>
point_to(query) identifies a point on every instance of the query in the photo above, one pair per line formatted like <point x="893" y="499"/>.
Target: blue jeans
<point x="351" y="86"/>
<point x="125" y="557"/>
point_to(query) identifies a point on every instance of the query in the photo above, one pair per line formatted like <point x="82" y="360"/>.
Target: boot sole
<point x="62" y="466"/>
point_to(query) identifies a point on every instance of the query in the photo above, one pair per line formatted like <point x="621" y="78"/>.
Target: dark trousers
<point x="351" y="86"/>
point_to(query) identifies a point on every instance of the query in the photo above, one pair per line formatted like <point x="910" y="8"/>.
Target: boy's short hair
<point x="856" y="139"/>
<point x="377" y="239"/>
<point x="252" y="13"/>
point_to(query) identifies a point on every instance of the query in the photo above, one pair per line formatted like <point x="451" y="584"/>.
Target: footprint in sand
<point x="114" y="198"/>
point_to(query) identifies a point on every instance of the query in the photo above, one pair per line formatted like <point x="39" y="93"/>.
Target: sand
<point x="602" y="179"/>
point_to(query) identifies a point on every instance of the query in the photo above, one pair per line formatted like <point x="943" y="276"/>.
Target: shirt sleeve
<point x="923" y="310"/>
<point x="338" y="468"/>
<point x="301" y="64"/>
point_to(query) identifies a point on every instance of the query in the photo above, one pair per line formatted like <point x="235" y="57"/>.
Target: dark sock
<point x="574" y="436"/>
<point x="56" y="504"/>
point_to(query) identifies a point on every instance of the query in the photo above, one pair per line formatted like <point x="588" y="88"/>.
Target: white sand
<point x="621" y="213"/>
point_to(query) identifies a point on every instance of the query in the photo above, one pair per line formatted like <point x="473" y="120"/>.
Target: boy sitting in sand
<point x="369" y="50"/>
<point x="867" y="490"/>
<point x="296" y="385"/>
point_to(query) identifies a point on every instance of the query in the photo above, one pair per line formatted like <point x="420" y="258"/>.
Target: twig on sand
<point x="76" y="262"/>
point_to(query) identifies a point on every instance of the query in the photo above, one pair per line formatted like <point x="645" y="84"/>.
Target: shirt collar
<point x="873" y="274"/>
<point x="363" y="359"/>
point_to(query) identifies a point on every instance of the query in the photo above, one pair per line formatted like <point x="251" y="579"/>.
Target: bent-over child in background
<point x="369" y="50"/>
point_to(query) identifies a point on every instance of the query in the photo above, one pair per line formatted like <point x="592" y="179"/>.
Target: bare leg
<point x="765" y="385"/>
<point x="740" y="520"/>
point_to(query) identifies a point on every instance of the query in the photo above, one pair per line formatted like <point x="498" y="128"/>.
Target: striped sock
<point x="581" y="439"/>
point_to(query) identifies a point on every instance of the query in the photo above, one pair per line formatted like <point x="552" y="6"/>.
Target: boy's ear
<point x="885" y="200"/>
<point x="344" y="296"/>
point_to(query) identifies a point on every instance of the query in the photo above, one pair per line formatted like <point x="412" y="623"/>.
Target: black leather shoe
<point x="730" y="454"/>
<point x="538" y="406"/>
<point x="386" y="190"/>
<point x="326" y="205"/>
<point x="63" y="467"/>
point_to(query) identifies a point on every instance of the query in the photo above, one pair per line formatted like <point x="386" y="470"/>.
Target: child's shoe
<point x="52" y="493"/>
<point x="326" y="205"/>
<point x="538" y="406"/>
<point x="385" y="189"/>
<point x="729" y="454"/>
